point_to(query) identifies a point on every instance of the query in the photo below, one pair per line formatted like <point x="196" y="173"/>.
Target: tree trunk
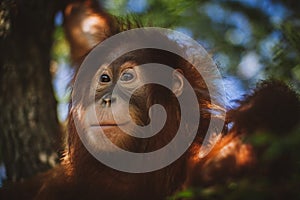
<point x="29" y="129"/>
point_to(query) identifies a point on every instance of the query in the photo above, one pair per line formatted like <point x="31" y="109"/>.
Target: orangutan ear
<point x="86" y="25"/>
<point x="177" y="85"/>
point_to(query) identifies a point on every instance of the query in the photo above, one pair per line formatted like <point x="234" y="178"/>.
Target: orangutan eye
<point x="128" y="75"/>
<point x="104" y="78"/>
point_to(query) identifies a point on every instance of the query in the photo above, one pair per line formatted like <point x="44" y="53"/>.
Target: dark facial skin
<point x="112" y="86"/>
<point x="99" y="114"/>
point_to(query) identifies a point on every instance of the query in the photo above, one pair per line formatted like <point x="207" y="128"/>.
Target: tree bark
<point x="29" y="128"/>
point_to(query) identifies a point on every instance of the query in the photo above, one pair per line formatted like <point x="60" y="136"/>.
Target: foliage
<point x="287" y="55"/>
<point x="231" y="30"/>
<point x="60" y="49"/>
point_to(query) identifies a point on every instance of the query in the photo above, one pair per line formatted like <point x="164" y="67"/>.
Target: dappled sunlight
<point x="250" y="66"/>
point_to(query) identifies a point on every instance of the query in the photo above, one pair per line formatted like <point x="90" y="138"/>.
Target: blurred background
<point x="249" y="40"/>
